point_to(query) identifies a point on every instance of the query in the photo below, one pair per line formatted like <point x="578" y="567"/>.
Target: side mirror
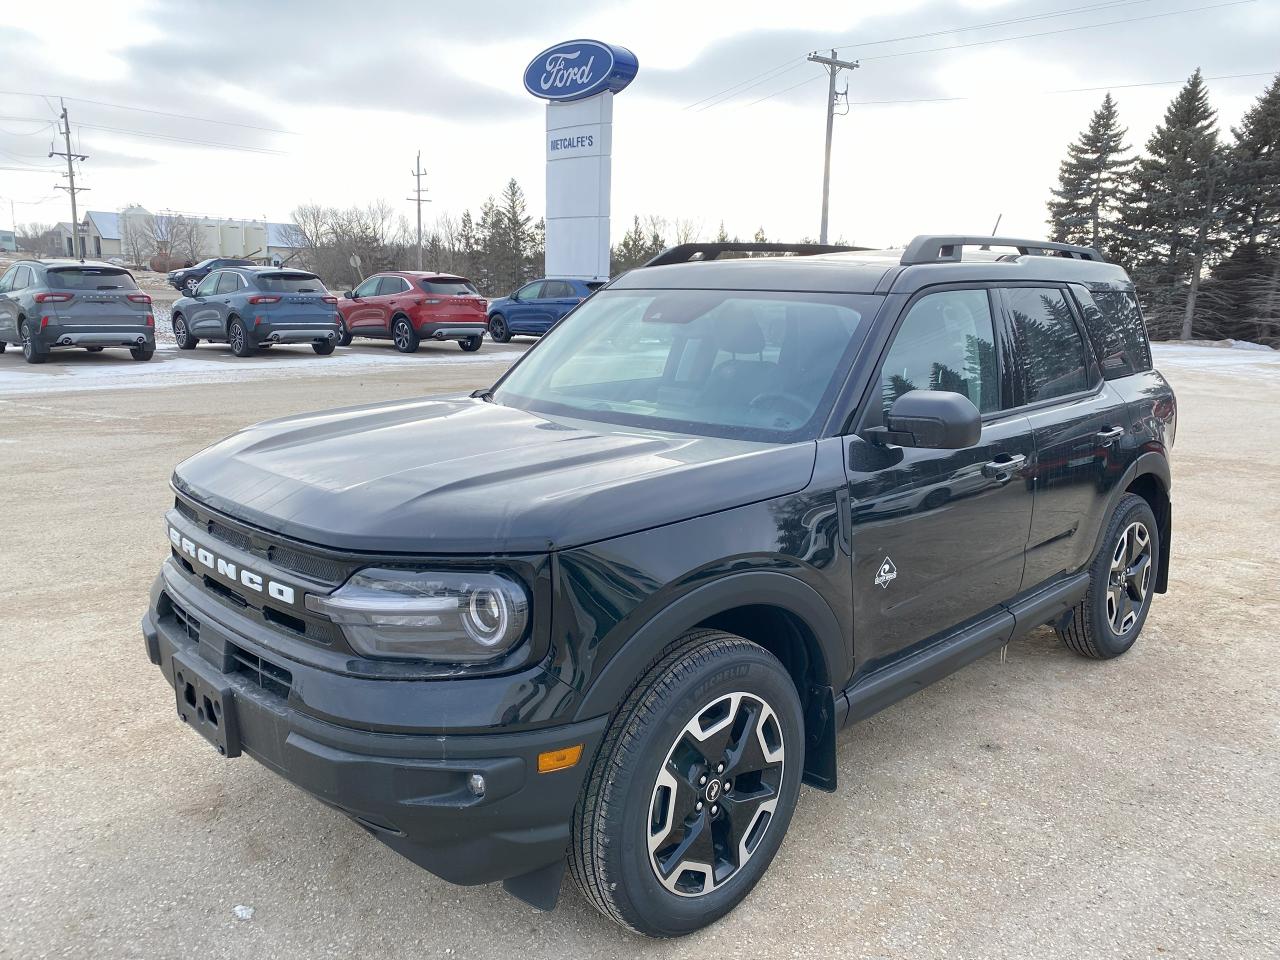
<point x="932" y="419"/>
<point x="348" y="294"/>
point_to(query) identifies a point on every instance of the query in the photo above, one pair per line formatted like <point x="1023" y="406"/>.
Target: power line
<point x="792" y="62"/>
<point x="158" y="113"/>
<point x="175" y="139"/>
<point x="1025" y="36"/>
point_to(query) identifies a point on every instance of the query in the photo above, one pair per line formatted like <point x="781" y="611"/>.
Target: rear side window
<point x="946" y="342"/>
<point x="90" y="278"/>
<point x="228" y="282"/>
<point x="450" y="288"/>
<point x="557" y="290"/>
<point x="1114" y="322"/>
<point x="289" y="283"/>
<point x="1053" y="354"/>
<point x="392" y="285"/>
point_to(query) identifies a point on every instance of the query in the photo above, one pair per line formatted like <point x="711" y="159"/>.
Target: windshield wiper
<point x="485" y="394"/>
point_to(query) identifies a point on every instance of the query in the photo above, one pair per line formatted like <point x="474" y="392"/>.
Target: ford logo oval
<point x="578" y="69"/>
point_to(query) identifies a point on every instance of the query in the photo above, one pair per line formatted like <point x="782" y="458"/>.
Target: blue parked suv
<point x="253" y="307"/>
<point x="533" y="308"/>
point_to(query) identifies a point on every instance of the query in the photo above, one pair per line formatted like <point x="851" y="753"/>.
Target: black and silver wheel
<point x="471" y="344"/>
<point x="182" y="334"/>
<point x="238" y="337"/>
<point x="344" y="335"/>
<point x="30" y="351"/>
<point x="404" y="336"/>
<point x="189" y="285"/>
<point x="498" y="328"/>
<point x="1121" y="583"/>
<point x="692" y="791"/>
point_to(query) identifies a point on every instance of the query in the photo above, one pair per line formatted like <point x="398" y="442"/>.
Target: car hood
<point x="459" y="475"/>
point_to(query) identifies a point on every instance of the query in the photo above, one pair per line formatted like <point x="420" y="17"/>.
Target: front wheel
<point x="404" y="336"/>
<point x="498" y="328"/>
<point x="238" y="337"/>
<point x="189" y="285"/>
<point x="182" y="334"/>
<point x="471" y="344"/>
<point x="344" y="335"/>
<point x="1122" y="580"/>
<point x="693" y="788"/>
<point x="142" y="354"/>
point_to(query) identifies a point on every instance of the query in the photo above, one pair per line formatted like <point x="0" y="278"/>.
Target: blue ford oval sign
<point x="578" y="69"/>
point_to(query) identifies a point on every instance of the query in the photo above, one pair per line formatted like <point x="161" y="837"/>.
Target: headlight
<point x="447" y="617"/>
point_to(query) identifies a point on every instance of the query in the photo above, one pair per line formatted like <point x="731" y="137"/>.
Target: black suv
<point x="187" y="279"/>
<point x="619" y="605"/>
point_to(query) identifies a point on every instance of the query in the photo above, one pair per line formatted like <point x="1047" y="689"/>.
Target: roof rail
<point x="931" y="249"/>
<point x="686" y="252"/>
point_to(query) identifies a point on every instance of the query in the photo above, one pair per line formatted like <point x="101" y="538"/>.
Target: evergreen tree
<point x="516" y="234"/>
<point x="1084" y="202"/>
<point x="1171" y="215"/>
<point x="636" y="247"/>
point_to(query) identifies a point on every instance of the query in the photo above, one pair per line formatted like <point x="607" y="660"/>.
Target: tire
<point x="631" y="802"/>
<point x="238" y="337"/>
<point x="471" y="344"/>
<point x="344" y="335"/>
<point x="325" y="348"/>
<point x="142" y="354"/>
<point x="498" y="328"/>
<point x="30" y="352"/>
<point x="1122" y="577"/>
<point x="404" y="336"/>
<point x="189" y="285"/>
<point x="94" y="349"/>
<point x="3" y="346"/>
<point x="182" y="334"/>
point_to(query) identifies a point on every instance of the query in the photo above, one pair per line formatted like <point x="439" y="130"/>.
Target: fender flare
<point x="1155" y="464"/>
<point x="757" y="587"/>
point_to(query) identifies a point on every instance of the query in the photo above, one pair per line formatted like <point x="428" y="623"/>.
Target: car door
<point x="522" y="311"/>
<point x="393" y="298"/>
<point x="365" y="315"/>
<point x="1080" y="425"/>
<point x="938" y="536"/>
<point x="228" y="298"/>
<point x="8" y="308"/>
<point x="203" y="318"/>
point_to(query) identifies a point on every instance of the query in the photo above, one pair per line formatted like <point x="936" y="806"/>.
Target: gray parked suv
<point x="74" y="303"/>
<point x="254" y="307"/>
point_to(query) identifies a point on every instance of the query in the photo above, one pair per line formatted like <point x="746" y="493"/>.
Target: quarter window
<point x="1049" y="341"/>
<point x="946" y="342"/>
<point x="1115" y="325"/>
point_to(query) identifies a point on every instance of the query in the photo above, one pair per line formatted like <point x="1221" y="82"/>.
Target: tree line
<point x="1194" y="217"/>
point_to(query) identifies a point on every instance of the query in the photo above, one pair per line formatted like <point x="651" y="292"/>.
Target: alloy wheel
<point x="237" y="338"/>
<point x="402" y="335"/>
<point x="715" y="794"/>
<point x="1129" y="583"/>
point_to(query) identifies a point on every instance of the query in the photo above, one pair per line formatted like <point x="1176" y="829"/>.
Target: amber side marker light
<point x="551" y="760"/>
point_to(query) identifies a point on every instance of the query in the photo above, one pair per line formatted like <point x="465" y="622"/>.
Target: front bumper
<point x="114" y="335"/>
<point x="409" y="790"/>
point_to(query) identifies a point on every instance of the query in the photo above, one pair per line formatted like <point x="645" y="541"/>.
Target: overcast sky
<point x="338" y="97"/>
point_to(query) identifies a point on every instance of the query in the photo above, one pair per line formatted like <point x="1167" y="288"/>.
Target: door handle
<point x="1110" y="434"/>
<point x="1003" y="466"/>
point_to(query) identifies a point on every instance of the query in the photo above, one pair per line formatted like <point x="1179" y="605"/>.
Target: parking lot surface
<point x="1039" y="806"/>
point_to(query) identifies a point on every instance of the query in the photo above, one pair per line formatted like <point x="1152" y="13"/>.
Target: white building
<point x="103" y="235"/>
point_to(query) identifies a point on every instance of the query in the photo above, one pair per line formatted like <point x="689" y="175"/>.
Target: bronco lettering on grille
<point x="230" y="571"/>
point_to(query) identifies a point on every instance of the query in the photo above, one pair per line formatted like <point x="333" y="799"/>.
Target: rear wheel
<point x="693" y="788"/>
<point x="182" y="334"/>
<point x="142" y="353"/>
<point x="498" y="328"/>
<point x="405" y="337"/>
<point x="471" y="344"/>
<point x="238" y="337"/>
<point x="30" y="352"/>
<point x="1122" y="578"/>
<point x="324" y="348"/>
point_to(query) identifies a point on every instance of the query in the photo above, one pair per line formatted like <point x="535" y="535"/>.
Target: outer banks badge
<point x="886" y="574"/>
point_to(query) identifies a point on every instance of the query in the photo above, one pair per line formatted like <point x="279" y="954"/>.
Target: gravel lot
<point x="1042" y="807"/>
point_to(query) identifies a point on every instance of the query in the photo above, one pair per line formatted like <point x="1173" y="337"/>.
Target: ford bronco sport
<point x="614" y="610"/>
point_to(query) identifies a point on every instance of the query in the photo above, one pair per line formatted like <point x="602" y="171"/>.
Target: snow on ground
<point x="69" y="371"/>
<point x="1239" y="359"/>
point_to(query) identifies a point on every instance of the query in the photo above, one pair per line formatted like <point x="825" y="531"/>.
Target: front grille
<point x="234" y="537"/>
<point x="271" y="678"/>
<point x="190" y="625"/>
<point x="310" y="566"/>
<point x="185" y="509"/>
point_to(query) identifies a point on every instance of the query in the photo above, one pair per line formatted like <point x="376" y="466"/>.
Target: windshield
<point x="727" y="363"/>
<point x="90" y="278"/>
<point x="450" y="288"/>
<point x="289" y="283"/>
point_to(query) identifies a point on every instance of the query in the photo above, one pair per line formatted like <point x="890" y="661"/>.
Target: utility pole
<point x="419" y="200"/>
<point x="833" y="66"/>
<point x="77" y="248"/>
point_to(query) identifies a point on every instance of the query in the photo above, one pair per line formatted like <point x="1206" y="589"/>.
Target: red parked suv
<point x="408" y="306"/>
